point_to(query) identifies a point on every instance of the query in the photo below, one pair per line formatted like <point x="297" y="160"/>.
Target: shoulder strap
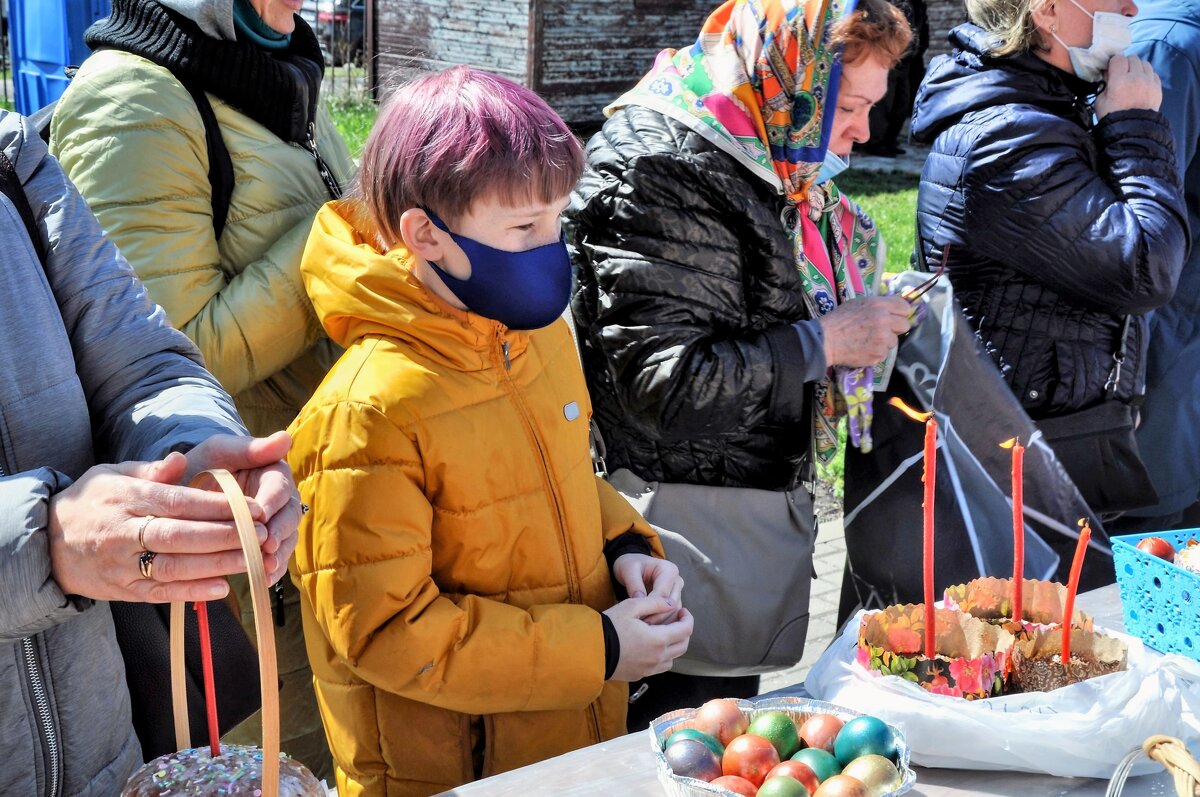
<point x="10" y="186"/>
<point x="220" y="164"/>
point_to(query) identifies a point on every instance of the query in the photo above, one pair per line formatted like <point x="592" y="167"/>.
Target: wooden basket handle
<point x="264" y="630"/>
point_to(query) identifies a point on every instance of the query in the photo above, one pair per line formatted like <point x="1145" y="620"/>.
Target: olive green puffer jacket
<point x="240" y="298"/>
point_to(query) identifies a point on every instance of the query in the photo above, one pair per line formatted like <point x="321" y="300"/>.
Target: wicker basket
<point x="1173" y="755"/>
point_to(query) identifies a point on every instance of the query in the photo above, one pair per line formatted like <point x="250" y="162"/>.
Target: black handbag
<point x="1099" y="450"/>
<point x="143" y="633"/>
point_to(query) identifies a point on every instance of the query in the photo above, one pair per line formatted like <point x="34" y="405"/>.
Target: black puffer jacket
<point x="687" y="291"/>
<point x="1057" y="230"/>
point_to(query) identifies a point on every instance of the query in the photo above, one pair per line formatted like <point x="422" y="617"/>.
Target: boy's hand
<point x="643" y="576"/>
<point x="648" y="649"/>
<point x="257" y="464"/>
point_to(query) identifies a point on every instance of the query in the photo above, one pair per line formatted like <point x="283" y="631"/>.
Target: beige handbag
<point x="746" y="558"/>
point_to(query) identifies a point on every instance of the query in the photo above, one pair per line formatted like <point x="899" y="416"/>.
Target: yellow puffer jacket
<point x="452" y="568"/>
<point x="240" y="299"/>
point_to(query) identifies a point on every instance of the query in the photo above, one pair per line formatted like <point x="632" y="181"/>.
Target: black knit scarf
<point x="277" y="89"/>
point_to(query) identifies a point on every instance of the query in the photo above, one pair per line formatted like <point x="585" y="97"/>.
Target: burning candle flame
<point x="1009" y="443"/>
<point x="909" y="411"/>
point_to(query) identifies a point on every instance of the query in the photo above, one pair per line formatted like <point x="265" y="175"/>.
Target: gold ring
<point x="142" y="532"/>
<point x="146" y="564"/>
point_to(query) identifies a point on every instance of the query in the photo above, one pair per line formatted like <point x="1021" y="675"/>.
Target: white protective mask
<point x="833" y="165"/>
<point x="1110" y="36"/>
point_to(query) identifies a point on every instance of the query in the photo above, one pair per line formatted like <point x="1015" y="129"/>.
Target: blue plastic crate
<point x="1159" y="600"/>
<point x="47" y="37"/>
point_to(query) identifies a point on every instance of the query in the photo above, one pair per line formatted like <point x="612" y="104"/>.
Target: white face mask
<point x="1110" y="36"/>
<point x="833" y="166"/>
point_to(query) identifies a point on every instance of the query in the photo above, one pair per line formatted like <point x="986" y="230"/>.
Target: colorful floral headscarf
<point x="757" y="84"/>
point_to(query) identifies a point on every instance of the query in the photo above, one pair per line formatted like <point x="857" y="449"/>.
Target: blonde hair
<point x="875" y="29"/>
<point x="1010" y="23"/>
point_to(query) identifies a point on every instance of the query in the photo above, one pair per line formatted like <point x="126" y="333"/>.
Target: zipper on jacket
<point x="573" y="592"/>
<point x="41" y="705"/>
<point x="309" y="145"/>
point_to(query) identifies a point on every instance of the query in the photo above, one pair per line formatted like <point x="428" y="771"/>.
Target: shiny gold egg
<point x="877" y="774"/>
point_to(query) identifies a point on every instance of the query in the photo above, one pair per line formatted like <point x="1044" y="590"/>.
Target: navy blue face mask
<point x="522" y="290"/>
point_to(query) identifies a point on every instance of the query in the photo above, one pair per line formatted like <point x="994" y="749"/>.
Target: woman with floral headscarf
<point x="728" y="304"/>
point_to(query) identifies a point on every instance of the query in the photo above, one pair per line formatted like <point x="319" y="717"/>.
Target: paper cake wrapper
<point x="971" y="658"/>
<point x="990" y="599"/>
<point x="1037" y="665"/>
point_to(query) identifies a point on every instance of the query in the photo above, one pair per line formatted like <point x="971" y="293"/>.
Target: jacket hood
<point x="215" y="17"/>
<point x="358" y="291"/>
<point x="968" y="79"/>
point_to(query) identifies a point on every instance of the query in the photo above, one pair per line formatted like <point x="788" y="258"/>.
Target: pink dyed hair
<point x="447" y="140"/>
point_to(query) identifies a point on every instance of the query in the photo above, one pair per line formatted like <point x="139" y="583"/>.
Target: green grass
<point x="353" y="119"/>
<point x="890" y="198"/>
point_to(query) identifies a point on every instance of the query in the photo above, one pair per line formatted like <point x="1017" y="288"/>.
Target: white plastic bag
<point x="1081" y="730"/>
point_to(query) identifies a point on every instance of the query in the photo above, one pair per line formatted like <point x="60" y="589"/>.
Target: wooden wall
<point x="414" y="36"/>
<point x="592" y="51"/>
<point x="579" y="54"/>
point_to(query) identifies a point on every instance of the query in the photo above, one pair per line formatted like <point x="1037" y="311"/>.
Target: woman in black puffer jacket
<point x="1063" y="216"/>
<point x="707" y="332"/>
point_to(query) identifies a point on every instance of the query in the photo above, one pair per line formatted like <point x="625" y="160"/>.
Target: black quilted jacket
<point x="1056" y="229"/>
<point x="687" y="291"/>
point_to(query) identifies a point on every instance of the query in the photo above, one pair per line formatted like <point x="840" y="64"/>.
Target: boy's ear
<point x="420" y="235"/>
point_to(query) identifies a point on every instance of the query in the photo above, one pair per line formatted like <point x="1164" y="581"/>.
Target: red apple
<point x="1157" y="546"/>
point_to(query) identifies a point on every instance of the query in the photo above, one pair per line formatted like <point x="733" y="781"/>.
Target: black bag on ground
<point x="144" y="634"/>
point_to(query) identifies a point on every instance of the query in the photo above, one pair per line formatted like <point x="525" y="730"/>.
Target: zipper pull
<point x="277" y="594"/>
<point x="310" y="144"/>
<point x="504" y="351"/>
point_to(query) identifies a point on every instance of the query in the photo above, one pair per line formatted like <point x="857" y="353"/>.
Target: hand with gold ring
<point x="142" y="531"/>
<point x="131" y="532"/>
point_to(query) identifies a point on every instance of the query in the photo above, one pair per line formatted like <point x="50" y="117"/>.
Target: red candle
<point x="930" y="480"/>
<point x="1018" y="507"/>
<point x="210" y="692"/>
<point x="1085" y="534"/>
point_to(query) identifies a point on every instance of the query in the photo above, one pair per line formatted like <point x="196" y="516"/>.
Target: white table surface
<point x="625" y="767"/>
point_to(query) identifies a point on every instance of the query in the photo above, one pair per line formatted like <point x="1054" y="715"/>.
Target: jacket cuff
<point x="612" y="646"/>
<point x="629" y="542"/>
<point x="32" y="601"/>
<point x="795" y="353"/>
<point x="1135" y="141"/>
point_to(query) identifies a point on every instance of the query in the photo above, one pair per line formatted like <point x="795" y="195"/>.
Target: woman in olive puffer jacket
<point x="133" y="139"/>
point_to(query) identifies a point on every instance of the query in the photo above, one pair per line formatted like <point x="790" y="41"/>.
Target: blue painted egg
<point x="864" y="736"/>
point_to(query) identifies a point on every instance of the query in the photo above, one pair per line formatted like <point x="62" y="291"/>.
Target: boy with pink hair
<point x="460" y="567"/>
